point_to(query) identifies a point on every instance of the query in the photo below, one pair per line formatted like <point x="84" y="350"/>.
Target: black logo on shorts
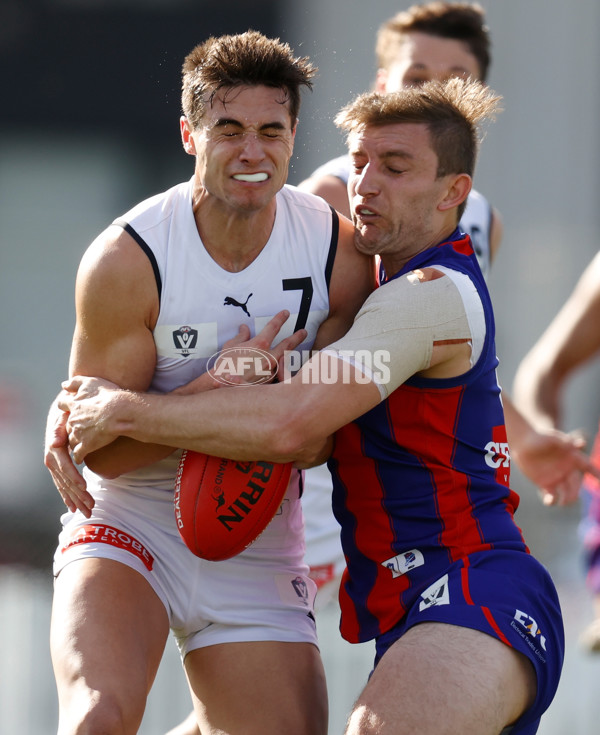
<point x="230" y="301"/>
<point x="300" y="588"/>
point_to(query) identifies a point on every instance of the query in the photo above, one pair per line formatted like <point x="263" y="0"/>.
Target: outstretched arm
<point x="571" y="339"/>
<point x="551" y="459"/>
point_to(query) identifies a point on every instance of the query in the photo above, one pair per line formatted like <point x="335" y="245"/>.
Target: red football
<point x="222" y="506"/>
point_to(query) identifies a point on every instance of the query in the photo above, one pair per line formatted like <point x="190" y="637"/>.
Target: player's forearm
<point x="537" y="394"/>
<point x="253" y="427"/>
<point x="126" y="454"/>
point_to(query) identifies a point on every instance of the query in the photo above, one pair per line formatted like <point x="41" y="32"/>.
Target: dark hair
<point x="245" y="59"/>
<point x="452" y="112"/>
<point x="460" y="21"/>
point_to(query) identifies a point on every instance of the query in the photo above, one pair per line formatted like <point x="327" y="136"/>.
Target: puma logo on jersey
<point x="230" y="301"/>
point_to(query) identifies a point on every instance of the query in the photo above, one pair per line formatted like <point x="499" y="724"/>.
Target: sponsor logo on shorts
<point x="98" y="533"/>
<point x="402" y="563"/>
<point x="301" y="589"/>
<point x="529" y="630"/>
<point x="436" y="594"/>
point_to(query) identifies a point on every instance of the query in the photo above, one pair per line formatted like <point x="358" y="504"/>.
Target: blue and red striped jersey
<point x="422" y="479"/>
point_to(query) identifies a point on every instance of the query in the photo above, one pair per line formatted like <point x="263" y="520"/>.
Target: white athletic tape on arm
<point x="473" y="308"/>
<point x="404" y="318"/>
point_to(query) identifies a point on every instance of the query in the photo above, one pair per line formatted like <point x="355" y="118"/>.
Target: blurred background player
<point x="430" y="42"/>
<point x="571" y="340"/>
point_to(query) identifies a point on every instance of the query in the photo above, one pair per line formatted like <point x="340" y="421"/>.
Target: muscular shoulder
<point x="116" y="274"/>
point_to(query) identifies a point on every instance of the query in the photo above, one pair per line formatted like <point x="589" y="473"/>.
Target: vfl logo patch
<point x="230" y="301"/>
<point x="402" y="563"/>
<point x="301" y="589"/>
<point x="185" y="339"/>
<point x="102" y="534"/>
<point x="436" y="594"/>
<point x="294" y="590"/>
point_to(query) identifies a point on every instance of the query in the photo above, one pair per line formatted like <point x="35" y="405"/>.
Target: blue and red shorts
<point x="508" y="595"/>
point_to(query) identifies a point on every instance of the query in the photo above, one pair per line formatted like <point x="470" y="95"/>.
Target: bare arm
<point x="352" y="280"/>
<point x="116" y="306"/>
<point x="496" y="232"/>
<point x="279" y="422"/>
<point x="551" y="459"/>
<point x="570" y="340"/>
<point x="331" y="189"/>
<point x="291" y="420"/>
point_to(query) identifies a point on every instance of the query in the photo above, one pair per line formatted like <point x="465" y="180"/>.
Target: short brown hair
<point x="452" y="111"/>
<point x="245" y="59"/>
<point x="459" y="21"/>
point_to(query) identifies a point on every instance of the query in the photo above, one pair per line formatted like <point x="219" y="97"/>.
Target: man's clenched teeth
<point x="261" y="176"/>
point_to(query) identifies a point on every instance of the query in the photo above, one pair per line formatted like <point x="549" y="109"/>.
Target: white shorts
<point x="263" y="594"/>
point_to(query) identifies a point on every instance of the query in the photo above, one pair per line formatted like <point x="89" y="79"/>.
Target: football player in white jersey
<point x="149" y="313"/>
<point x="434" y="41"/>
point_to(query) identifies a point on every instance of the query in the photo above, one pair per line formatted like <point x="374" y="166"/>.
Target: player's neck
<point x="393" y="262"/>
<point x="234" y="238"/>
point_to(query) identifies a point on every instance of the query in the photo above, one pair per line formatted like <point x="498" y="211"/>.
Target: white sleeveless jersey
<point x="476" y="220"/>
<point x="202" y="305"/>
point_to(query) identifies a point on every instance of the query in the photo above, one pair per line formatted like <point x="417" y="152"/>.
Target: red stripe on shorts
<point x="100" y="533"/>
<point x="464" y="578"/>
